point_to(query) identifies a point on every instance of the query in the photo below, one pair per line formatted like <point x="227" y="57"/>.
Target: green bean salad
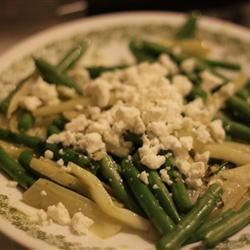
<point x="159" y="145"/>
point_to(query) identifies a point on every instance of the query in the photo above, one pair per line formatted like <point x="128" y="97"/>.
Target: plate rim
<point x="70" y="28"/>
<point x="66" y="29"/>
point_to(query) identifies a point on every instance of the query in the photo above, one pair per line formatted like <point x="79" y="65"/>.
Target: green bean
<point x="191" y="222"/>
<point x="146" y="199"/>
<point x="66" y="63"/>
<point x="221" y="64"/>
<point x="26" y="140"/>
<point x="228" y="226"/>
<point x="208" y="224"/>
<point x="179" y="192"/>
<point x="236" y="130"/>
<point x="98" y="70"/>
<point x="181" y="196"/>
<point x="109" y="171"/>
<point x="134" y="138"/>
<point x="25" y="158"/>
<point x="159" y="190"/>
<point x="155" y="50"/>
<point x="71" y="57"/>
<point x="238" y="109"/>
<point x="15" y="170"/>
<point x="51" y="74"/>
<point x="189" y="28"/>
<point x="52" y="129"/>
<point x="60" y="122"/>
<point x="197" y="92"/>
<point x="25" y="122"/>
<point x="139" y="53"/>
<point x="4" y="105"/>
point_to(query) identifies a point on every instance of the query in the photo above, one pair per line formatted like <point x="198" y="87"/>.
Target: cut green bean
<point x="210" y="223"/>
<point x="72" y="57"/>
<point x="197" y="92"/>
<point x="159" y="190"/>
<point x="52" y="129"/>
<point x="179" y="191"/>
<point x="68" y="61"/>
<point x="228" y="226"/>
<point x="60" y="122"/>
<point x="4" y="105"/>
<point x="109" y="171"/>
<point x="190" y="223"/>
<point x="221" y="64"/>
<point x="15" y="170"/>
<point x="146" y="199"/>
<point x="25" y="122"/>
<point x="98" y="70"/>
<point x="189" y="28"/>
<point x="181" y="196"/>
<point x="139" y="53"/>
<point x="26" y="140"/>
<point x="236" y="130"/>
<point x="134" y="138"/>
<point x="51" y="74"/>
<point x="238" y="109"/>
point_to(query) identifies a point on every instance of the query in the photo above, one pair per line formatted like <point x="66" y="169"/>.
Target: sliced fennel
<point x="104" y="201"/>
<point x="104" y="226"/>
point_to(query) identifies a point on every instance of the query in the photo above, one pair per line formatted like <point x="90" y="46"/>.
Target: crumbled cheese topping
<point x="60" y="162"/>
<point x="217" y="130"/>
<point x="80" y="223"/>
<point x="141" y="100"/>
<point x="48" y="154"/>
<point x="143" y="176"/>
<point x="182" y="84"/>
<point x="59" y="214"/>
<point x="188" y="65"/>
<point x="165" y="177"/>
<point x="30" y="102"/>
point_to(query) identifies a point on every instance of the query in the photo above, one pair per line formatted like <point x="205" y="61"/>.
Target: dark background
<point x="21" y="18"/>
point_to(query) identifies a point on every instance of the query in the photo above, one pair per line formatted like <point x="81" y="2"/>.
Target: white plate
<point x="15" y="64"/>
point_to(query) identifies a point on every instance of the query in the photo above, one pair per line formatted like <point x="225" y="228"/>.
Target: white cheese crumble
<point x="80" y="223"/>
<point x="46" y="92"/>
<point x="48" y="154"/>
<point x="182" y="84"/>
<point x="155" y="186"/>
<point x="141" y="100"/>
<point x="31" y="102"/>
<point x="210" y="80"/>
<point x="43" y="218"/>
<point x="170" y="65"/>
<point x="143" y="176"/>
<point x="60" y="162"/>
<point x="165" y="177"/>
<point x="188" y="65"/>
<point x="59" y="214"/>
<point x="217" y="130"/>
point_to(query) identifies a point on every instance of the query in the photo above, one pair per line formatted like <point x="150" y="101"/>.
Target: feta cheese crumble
<point x="59" y="214"/>
<point x="48" y="154"/>
<point x="80" y="223"/>
<point x="143" y="176"/>
<point x="141" y="100"/>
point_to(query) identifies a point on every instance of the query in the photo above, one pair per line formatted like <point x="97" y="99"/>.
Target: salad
<point x="158" y="145"/>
